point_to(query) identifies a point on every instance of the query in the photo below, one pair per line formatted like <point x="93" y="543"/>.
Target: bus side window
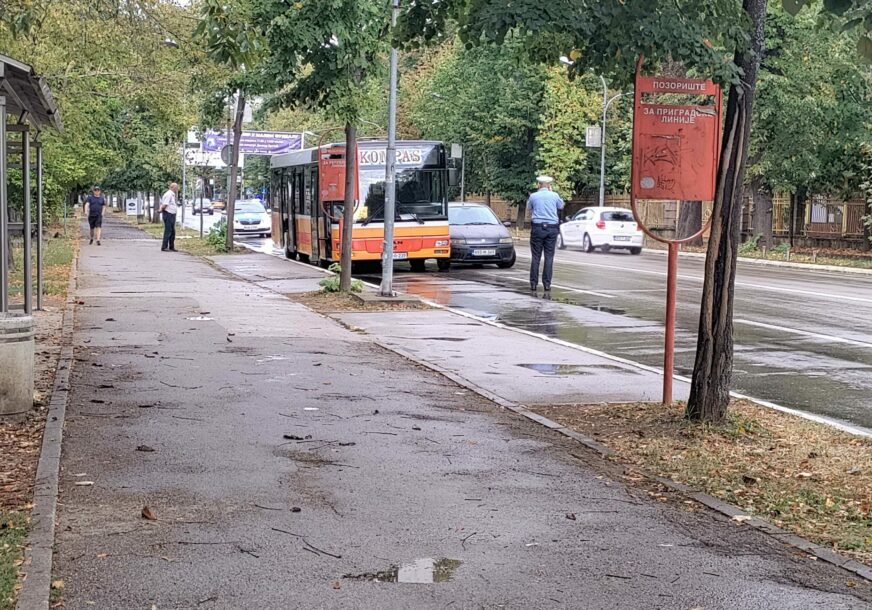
<point x="298" y="191"/>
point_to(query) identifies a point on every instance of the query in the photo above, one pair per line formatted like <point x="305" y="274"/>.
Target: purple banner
<point x="255" y="142"/>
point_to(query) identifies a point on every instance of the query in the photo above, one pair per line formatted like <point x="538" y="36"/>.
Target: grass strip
<point x="13" y="532"/>
<point x="802" y="476"/>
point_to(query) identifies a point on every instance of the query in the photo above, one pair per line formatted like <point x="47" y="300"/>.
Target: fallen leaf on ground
<point x="742" y="518"/>
<point x="145" y="448"/>
<point x="570" y="516"/>
<point x="337" y="584"/>
<point x="149" y="514"/>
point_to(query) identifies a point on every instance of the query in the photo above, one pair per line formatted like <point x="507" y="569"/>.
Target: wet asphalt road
<point x="802" y="338"/>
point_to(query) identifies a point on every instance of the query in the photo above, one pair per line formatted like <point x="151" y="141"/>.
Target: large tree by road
<point x="323" y="55"/>
<point x="608" y="37"/>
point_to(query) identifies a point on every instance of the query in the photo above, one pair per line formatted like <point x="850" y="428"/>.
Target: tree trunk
<point x="713" y="367"/>
<point x="761" y="216"/>
<point x="792" y="220"/>
<point x="230" y="205"/>
<point x="155" y="208"/>
<point x="348" y="206"/>
<point x="689" y="221"/>
<point x="522" y="215"/>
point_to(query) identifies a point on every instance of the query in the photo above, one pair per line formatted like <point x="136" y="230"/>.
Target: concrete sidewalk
<point x="225" y="407"/>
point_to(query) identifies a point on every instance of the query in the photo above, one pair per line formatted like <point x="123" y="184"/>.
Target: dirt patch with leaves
<point x="799" y="475"/>
<point x="21" y="437"/>
<point x="334" y="302"/>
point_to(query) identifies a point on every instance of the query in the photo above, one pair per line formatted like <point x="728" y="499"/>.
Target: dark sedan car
<point x="478" y="236"/>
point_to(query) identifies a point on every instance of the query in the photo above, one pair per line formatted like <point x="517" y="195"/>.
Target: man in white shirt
<point x="168" y="208"/>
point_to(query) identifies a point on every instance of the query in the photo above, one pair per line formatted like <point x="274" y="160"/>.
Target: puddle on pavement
<point x="200" y="318"/>
<point x="420" y="571"/>
<point x="557" y="369"/>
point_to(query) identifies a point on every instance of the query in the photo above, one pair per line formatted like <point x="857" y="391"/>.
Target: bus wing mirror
<point x="453" y="177"/>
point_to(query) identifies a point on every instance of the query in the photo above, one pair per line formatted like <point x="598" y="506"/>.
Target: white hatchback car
<point x="603" y="228"/>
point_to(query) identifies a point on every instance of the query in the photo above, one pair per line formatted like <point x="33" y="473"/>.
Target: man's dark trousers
<point x="169" y="236"/>
<point x="543" y="237"/>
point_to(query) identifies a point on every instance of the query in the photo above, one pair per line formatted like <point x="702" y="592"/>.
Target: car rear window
<point x="618" y="216"/>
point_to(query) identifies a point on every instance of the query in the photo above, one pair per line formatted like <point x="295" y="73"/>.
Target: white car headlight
<point x="458" y="240"/>
<point x="506" y="240"/>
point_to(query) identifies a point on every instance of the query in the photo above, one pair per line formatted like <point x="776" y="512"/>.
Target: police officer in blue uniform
<point x="544" y="206"/>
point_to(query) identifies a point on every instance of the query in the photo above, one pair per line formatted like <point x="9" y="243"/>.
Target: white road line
<point x="824" y="295"/>
<point x="562" y="287"/>
<point x="830" y="338"/>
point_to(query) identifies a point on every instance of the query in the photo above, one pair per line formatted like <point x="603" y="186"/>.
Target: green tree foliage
<point x="814" y="108"/>
<point x="121" y="91"/>
<point x="489" y="99"/>
<point x="324" y="54"/>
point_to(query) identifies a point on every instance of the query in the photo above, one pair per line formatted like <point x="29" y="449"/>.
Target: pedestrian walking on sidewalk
<point x="168" y="208"/>
<point x="94" y="205"/>
<point x="544" y="206"/>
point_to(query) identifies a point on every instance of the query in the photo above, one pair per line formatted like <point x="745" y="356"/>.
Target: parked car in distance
<point x="478" y="236"/>
<point x="251" y="218"/>
<point x="202" y="206"/>
<point x="218" y="204"/>
<point x="603" y="228"/>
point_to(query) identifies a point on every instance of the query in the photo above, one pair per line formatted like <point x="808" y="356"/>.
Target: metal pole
<point x="4" y="221"/>
<point x="28" y="239"/>
<point x="463" y="175"/>
<point x="669" y="343"/>
<point x="602" y="190"/>
<point x="184" y="183"/>
<point x="387" y="283"/>
<point x="39" y="221"/>
<point x="202" y="191"/>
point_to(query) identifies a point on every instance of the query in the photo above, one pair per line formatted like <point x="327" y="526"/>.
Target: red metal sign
<point x="675" y="147"/>
<point x="331" y="173"/>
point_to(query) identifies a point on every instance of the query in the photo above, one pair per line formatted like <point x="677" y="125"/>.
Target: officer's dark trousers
<point x="169" y="236"/>
<point x="543" y="237"/>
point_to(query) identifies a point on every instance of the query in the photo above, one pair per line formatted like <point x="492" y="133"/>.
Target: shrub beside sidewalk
<point x="21" y="439"/>
<point x="189" y="240"/>
<point x="805" y="477"/>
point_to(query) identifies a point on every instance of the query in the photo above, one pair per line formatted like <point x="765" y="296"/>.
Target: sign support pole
<point x="669" y="143"/>
<point x="669" y="342"/>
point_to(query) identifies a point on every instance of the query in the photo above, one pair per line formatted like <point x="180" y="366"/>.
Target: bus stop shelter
<point x="27" y="109"/>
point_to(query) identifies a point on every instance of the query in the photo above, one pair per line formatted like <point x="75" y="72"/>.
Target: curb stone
<point x="719" y="506"/>
<point x="36" y="570"/>
<point x="762" y="262"/>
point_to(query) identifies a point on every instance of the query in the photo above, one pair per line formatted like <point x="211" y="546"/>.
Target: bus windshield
<point x="420" y="193"/>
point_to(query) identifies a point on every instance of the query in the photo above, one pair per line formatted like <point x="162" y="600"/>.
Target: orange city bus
<point x="308" y="189"/>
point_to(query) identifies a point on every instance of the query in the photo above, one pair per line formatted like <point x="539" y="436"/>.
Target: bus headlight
<point x="440" y="243"/>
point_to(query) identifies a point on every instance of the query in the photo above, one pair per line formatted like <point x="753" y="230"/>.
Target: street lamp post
<point x="386" y="288"/>
<point x="606" y="103"/>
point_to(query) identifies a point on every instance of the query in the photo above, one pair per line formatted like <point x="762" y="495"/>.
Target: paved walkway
<point x="224" y="408"/>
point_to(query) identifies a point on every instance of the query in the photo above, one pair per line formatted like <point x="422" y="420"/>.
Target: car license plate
<point x="622" y="238"/>
<point x="401" y="256"/>
<point x="484" y="252"/>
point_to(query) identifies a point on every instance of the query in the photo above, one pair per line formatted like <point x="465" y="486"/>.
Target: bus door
<point x="315" y="213"/>
<point x="289" y="234"/>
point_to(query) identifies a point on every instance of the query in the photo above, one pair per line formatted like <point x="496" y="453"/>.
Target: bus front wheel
<point x="418" y="265"/>
<point x="443" y="264"/>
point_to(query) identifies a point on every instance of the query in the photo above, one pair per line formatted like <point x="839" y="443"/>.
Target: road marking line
<point x="825" y="296"/>
<point x="562" y="287"/>
<point x="831" y="338"/>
